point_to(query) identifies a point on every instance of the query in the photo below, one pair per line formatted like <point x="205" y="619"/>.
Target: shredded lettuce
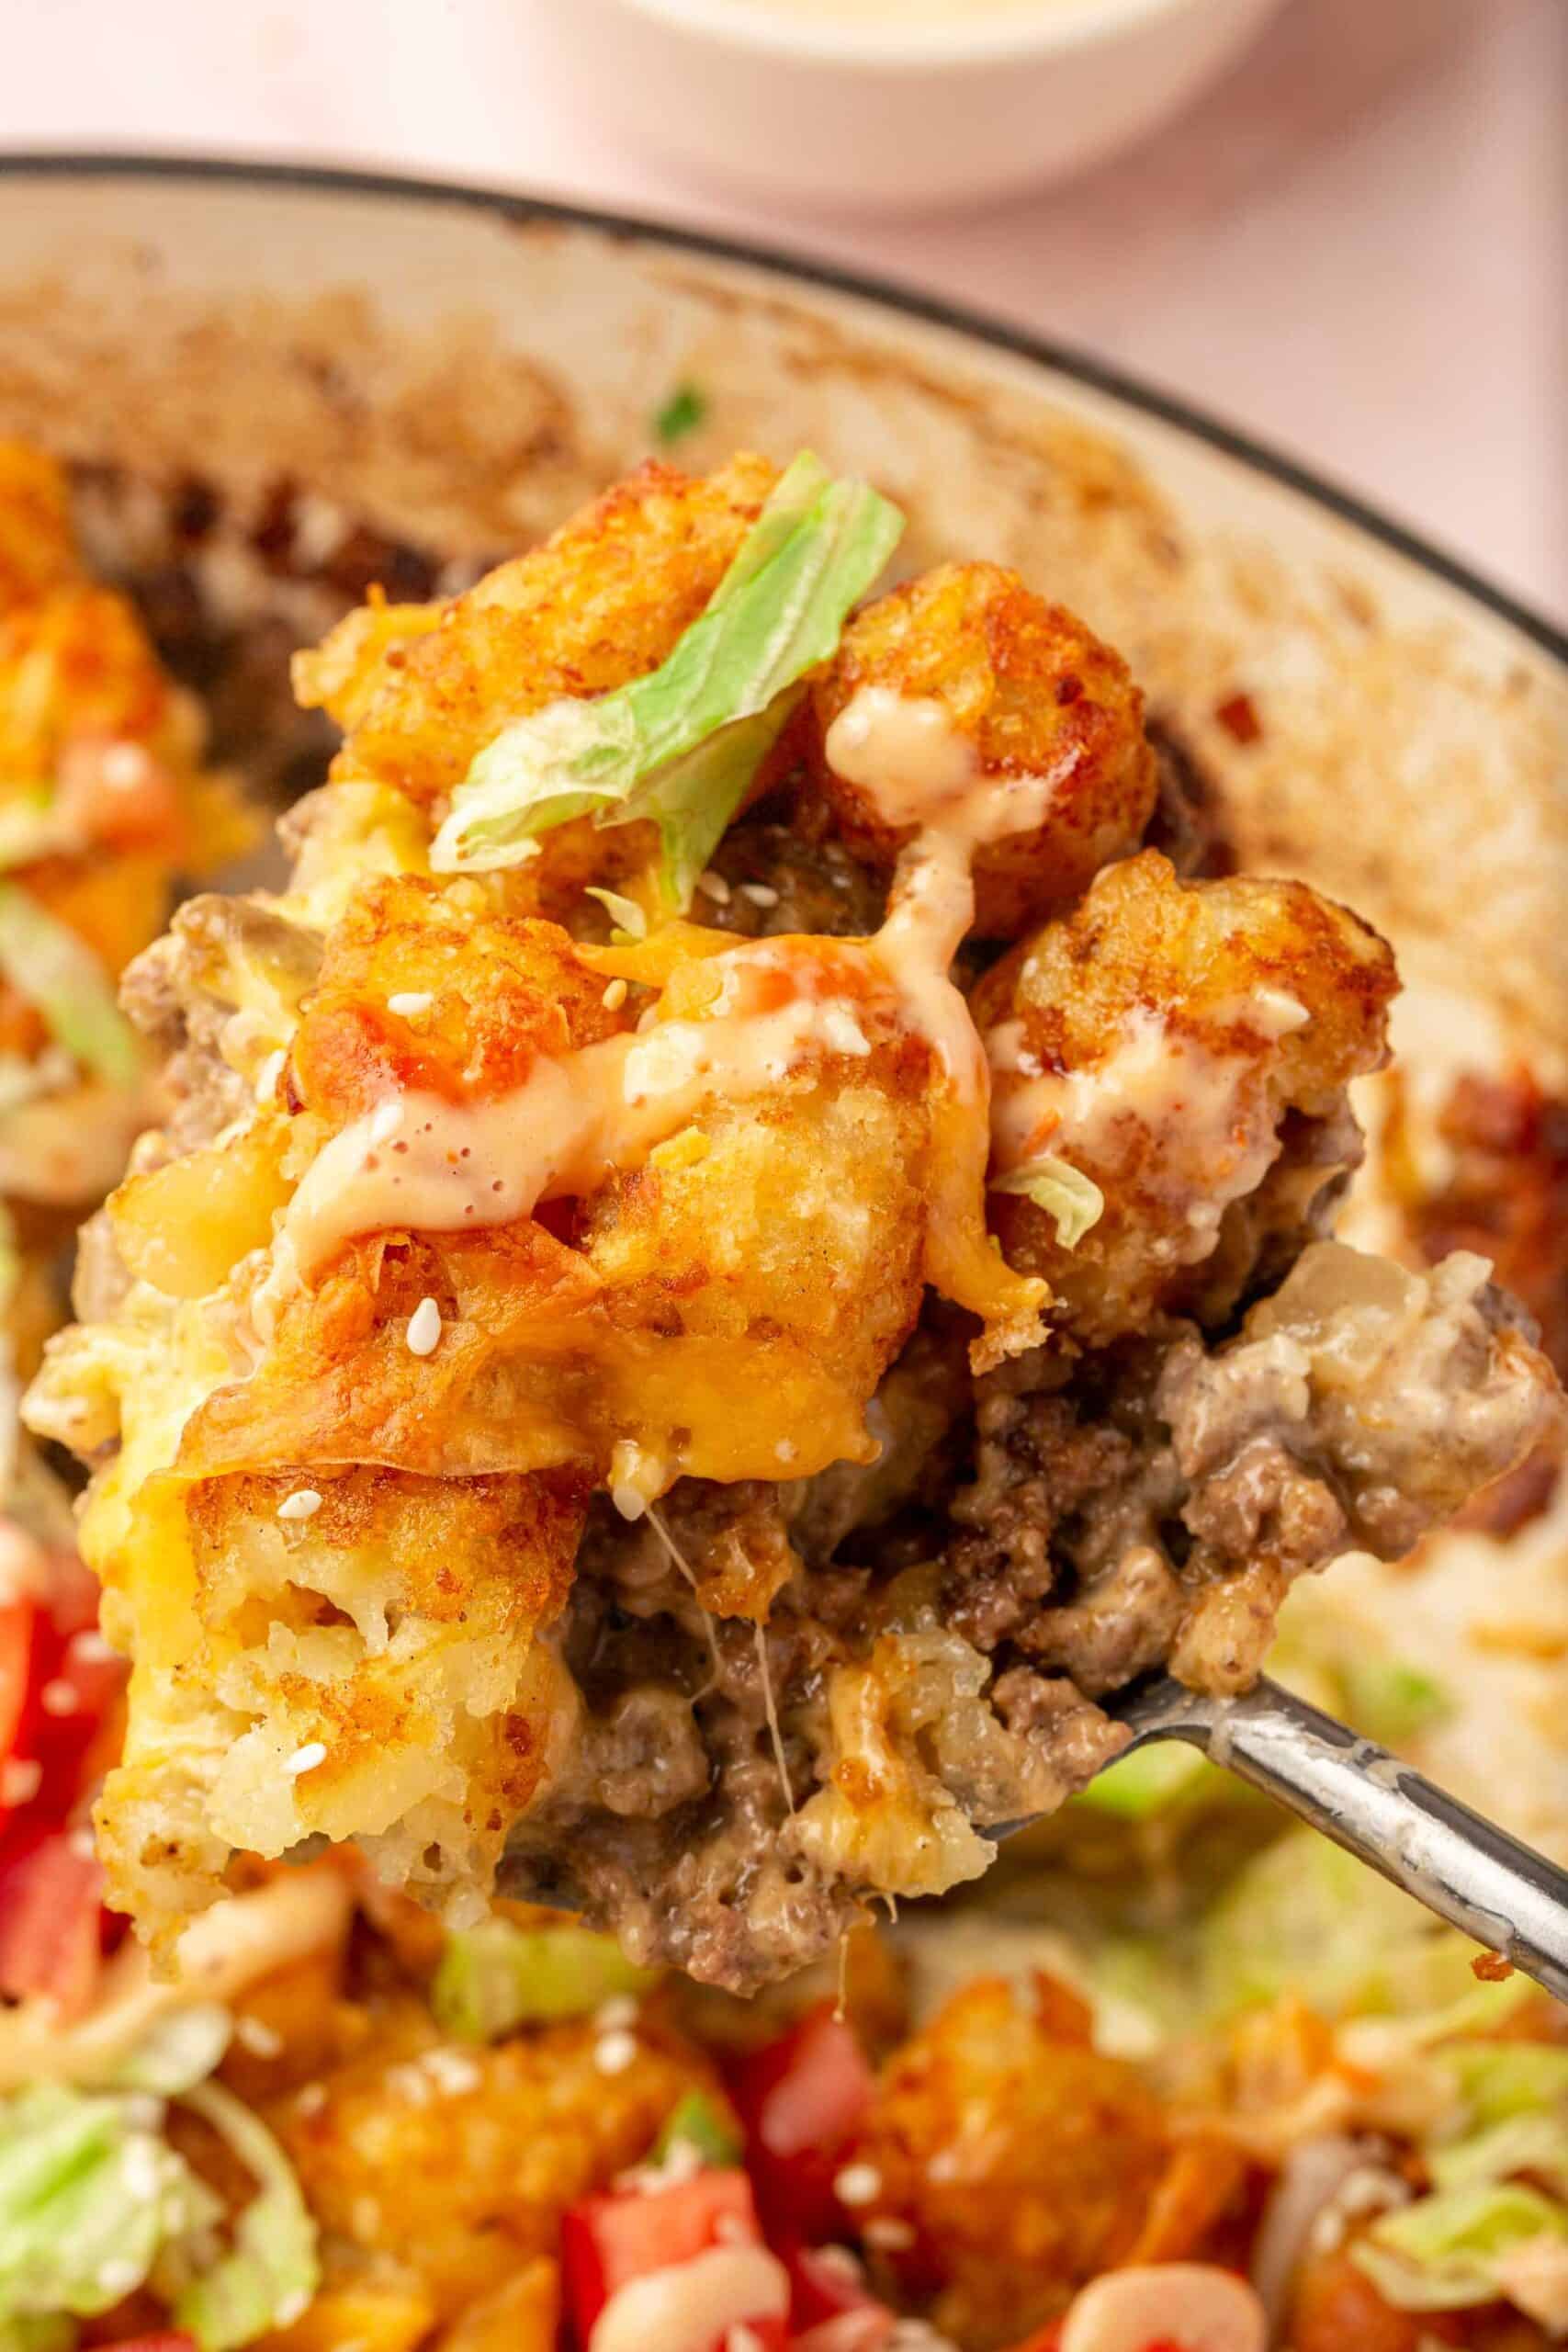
<point x="497" y="1976"/>
<point x="1305" y="1918"/>
<point x="699" y="2123"/>
<point x="679" y="414"/>
<point x="90" y="2194"/>
<point x="177" y="2052"/>
<point x="625" y="913"/>
<point x="38" y="2331"/>
<point x="1392" y="1700"/>
<point x="31" y="827"/>
<point x="681" y="745"/>
<point x="1137" y="1787"/>
<point x="46" y="962"/>
<point x="1072" y="1199"/>
<point x="1443" y="2253"/>
<point x="1501" y="2079"/>
<point x="272" y="2271"/>
<point x="1536" y="2144"/>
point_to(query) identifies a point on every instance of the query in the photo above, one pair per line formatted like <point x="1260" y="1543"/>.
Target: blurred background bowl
<point x="899" y="113"/>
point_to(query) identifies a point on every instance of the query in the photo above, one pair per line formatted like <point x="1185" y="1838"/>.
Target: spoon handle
<point x="1454" y="1861"/>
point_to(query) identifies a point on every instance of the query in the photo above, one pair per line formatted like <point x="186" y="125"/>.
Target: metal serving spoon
<point x="1455" y="1861"/>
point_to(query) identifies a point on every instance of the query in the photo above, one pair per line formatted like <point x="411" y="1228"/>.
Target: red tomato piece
<point x="624" y="2233"/>
<point x="152" y="2344"/>
<point x="51" y="1901"/>
<point x="17" y="1622"/>
<point x="801" y="2101"/>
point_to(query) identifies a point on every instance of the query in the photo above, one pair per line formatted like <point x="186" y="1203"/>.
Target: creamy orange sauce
<point x="422" y="1163"/>
<point x="1217" y="1133"/>
<point x="419" y="1162"/>
<point x="904" y="753"/>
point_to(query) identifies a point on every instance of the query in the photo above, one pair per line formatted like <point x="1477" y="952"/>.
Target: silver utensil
<point x="1454" y="1861"/>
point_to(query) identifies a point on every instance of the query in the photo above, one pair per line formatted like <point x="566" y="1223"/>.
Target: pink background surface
<point x="1353" y="247"/>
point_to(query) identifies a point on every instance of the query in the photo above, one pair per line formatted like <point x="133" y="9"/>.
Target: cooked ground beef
<point x="1080" y="1520"/>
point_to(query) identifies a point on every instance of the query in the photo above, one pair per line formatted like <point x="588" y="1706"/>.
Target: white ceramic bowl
<point x="892" y="113"/>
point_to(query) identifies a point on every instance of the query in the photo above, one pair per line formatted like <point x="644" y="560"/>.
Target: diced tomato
<point x="17" y="1622"/>
<point x="624" y="2234"/>
<point x="50" y="1904"/>
<point x="801" y="2100"/>
<point x="830" y="2307"/>
<point x="152" y="2344"/>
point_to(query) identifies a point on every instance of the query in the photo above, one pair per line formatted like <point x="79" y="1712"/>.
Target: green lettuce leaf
<point x="1536" y="2144"/>
<point x="31" y="827"/>
<point x="1442" y="2254"/>
<point x="497" y="1976"/>
<point x="1500" y="2079"/>
<point x="697" y="2123"/>
<point x="1064" y="1193"/>
<point x="1138" y="1787"/>
<point x="628" y="918"/>
<point x="38" y="2331"/>
<point x="46" y="962"/>
<point x="815" y="550"/>
<point x="1392" y="1700"/>
<point x="90" y="2194"/>
<point x="272" y="2271"/>
<point x="1308" y="1919"/>
<point x="177" y="2052"/>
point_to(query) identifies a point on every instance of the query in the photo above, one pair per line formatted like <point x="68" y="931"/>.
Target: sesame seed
<point x="742" y="2338"/>
<point x="620" y="2010"/>
<point x="614" y="996"/>
<point x="311" y="2098"/>
<point x="89" y="1648"/>
<point x="713" y="886"/>
<point x="613" y="2052"/>
<point x="59" y="1697"/>
<point x="81" y="1842"/>
<point x="20" y="1777"/>
<point x="858" y="2184"/>
<point x="886" y="2231"/>
<point x="123" y="766"/>
<point x="786" y="1450"/>
<point x="306" y="1758"/>
<point x="138" y="2170"/>
<point x="629" y="1500"/>
<point x="452" y="2071"/>
<point x="761" y="894"/>
<point x="409" y="1003"/>
<point x="424" y="1329"/>
<point x="256" y="2036"/>
<point x="303" y="1503"/>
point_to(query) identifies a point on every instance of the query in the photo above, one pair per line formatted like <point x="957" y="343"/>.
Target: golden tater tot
<point x="1035" y="692"/>
<point x="1187" y="1048"/>
<point x="1012" y="2161"/>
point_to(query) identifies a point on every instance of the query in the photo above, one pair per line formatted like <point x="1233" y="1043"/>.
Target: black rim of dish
<point x="900" y="301"/>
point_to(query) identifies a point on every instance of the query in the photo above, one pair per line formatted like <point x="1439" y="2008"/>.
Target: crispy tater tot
<point x="1036" y="694"/>
<point x="1187" y="1048"/>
